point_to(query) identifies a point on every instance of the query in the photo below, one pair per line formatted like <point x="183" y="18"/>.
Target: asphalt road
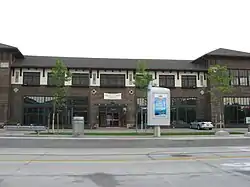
<point x="172" y="167"/>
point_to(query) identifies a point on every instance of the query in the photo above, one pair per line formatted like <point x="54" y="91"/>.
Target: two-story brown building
<point x="103" y="90"/>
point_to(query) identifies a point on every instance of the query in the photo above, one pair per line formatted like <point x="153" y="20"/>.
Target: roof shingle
<point x="105" y="63"/>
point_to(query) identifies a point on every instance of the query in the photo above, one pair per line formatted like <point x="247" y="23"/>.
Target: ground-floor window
<point x="236" y="109"/>
<point x="38" y="110"/>
<point x="183" y="111"/>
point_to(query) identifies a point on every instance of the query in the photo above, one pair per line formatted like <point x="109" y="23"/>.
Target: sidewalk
<point x="105" y="132"/>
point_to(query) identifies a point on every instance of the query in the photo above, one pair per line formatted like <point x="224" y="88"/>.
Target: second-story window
<point x="188" y="81"/>
<point x="167" y="81"/>
<point x="80" y="79"/>
<point x="112" y="80"/>
<point x="31" y="78"/>
<point x="50" y="80"/>
<point x="239" y="77"/>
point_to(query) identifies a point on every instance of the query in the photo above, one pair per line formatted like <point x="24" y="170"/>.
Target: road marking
<point x="126" y="160"/>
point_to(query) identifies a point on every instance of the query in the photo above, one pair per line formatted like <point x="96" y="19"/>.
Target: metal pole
<point x="141" y="118"/>
<point x="136" y="120"/>
<point x="145" y="119"/>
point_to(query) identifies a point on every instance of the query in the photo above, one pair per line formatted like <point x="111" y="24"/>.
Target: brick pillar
<point x="131" y="115"/>
<point x="5" y="77"/>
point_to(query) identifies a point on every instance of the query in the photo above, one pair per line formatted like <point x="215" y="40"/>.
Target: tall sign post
<point x="158" y="108"/>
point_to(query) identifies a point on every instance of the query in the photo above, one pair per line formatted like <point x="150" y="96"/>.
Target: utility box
<point x="78" y="126"/>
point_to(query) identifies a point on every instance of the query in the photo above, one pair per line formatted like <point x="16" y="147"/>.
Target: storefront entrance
<point x="112" y="115"/>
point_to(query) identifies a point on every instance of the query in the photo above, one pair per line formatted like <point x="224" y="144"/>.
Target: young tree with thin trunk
<point x="220" y="85"/>
<point x="60" y="74"/>
<point x="142" y="79"/>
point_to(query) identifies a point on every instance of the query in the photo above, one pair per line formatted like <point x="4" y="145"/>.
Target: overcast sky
<point x="170" y="29"/>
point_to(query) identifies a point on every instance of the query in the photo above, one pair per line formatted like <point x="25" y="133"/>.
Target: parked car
<point x="201" y="124"/>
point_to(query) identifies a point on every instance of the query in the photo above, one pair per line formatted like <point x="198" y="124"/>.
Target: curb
<point x="62" y="142"/>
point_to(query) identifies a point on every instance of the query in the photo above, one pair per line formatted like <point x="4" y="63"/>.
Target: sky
<point x="142" y="29"/>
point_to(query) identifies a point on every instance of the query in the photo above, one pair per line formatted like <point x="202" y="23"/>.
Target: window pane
<point x="167" y="81"/>
<point x="80" y="79"/>
<point x="31" y="78"/>
<point x="188" y="81"/>
<point x="112" y="80"/>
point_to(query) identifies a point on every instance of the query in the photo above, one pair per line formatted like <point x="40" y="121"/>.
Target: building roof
<point x="14" y="50"/>
<point x="115" y="63"/>
<point x="4" y="46"/>
<point x="228" y="52"/>
<point x="105" y="63"/>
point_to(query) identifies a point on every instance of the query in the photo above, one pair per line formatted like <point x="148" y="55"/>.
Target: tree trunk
<point x="53" y="118"/>
<point x="222" y="113"/>
<point x="48" y="122"/>
<point x="62" y="114"/>
<point x="57" y="119"/>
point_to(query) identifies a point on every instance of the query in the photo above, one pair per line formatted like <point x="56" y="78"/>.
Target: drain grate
<point x="180" y="155"/>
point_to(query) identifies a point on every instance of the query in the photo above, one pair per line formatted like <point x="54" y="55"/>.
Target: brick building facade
<point x="103" y="90"/>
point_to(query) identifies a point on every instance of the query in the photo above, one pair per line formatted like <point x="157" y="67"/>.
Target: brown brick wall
<point x="231" y="63"/>
<point x="98" y="98"/>
<point x="4" y="89"/>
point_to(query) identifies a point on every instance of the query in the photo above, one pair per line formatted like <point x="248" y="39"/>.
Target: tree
<point x="60" y="74"/>
<point x="220" y="85"/>
<point x="142" y="80"/>
<point x="142" y="77"/>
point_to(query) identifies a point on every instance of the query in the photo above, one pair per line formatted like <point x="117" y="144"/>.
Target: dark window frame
<point x="189" y="81"/>
<point x="31" y="78"/>
<point x="236" y="109"/>
<point x="80" y="80"/>
<point x="240" y="77"/>
<point x="167" y="81"/>
<point x="112" y="80"/>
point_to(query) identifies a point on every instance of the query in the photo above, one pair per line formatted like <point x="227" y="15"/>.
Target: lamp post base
<point x="247" y="134"/>
<point x="157" y="131"/>
<point x="222" y="133"/>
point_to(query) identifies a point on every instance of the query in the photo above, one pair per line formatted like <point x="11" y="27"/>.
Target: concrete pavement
<point x="119" y="130"/>
<point x="173" y="167"/>
<point x="122" y="142"/>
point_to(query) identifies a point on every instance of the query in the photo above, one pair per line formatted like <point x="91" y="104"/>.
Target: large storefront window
<point x="236" y="109"/>
<point x="183" y="111"/>
<point x="38" y="110"/>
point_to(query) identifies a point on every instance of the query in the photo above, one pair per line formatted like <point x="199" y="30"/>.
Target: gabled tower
<point x="8" y="54"/>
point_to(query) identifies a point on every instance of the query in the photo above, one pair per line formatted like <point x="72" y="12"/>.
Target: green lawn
<point x="138" y="134"/>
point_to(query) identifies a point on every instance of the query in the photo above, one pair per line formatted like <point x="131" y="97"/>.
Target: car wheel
<point x="198" y="127"/>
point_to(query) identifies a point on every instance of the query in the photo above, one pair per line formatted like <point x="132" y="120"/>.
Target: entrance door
<point x="113" y="117"/>
<point x="110" y="116"/>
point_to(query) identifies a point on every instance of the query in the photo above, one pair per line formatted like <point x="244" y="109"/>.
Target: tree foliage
<point x="220" y="81"/>
<point x="142" y="77"/>
<point x="60" y="74"/>
<point x="220" y="85"/>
